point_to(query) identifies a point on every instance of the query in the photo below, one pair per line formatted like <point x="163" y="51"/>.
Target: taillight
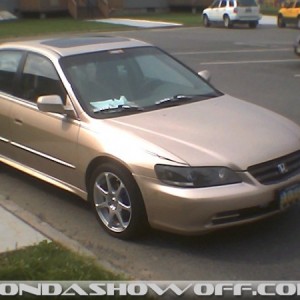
<point x="235" y="10"/>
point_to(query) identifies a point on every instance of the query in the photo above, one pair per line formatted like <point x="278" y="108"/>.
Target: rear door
<point x="221" y="10"/>
<point x="213" y="14"/>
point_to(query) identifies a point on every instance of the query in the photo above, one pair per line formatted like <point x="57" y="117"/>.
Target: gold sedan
<point x="145" y="139"/>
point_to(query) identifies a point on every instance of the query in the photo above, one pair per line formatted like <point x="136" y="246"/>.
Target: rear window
<point x="246" y="3"/>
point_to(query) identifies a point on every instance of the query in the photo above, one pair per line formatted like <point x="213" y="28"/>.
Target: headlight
<point x="196" y="177"/>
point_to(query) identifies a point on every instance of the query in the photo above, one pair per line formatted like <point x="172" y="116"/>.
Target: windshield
<point x="136" y="78"/>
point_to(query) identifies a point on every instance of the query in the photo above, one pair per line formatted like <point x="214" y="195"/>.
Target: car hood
<point x="221" y="131"/>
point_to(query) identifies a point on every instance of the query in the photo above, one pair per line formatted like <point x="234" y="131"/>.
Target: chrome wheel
<point x="112" y="202"/>
<point x="117" y="201"/>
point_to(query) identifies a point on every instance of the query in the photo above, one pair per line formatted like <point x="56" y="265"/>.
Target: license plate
<point x="248" y="10"/>
<point x="289" y="196"/>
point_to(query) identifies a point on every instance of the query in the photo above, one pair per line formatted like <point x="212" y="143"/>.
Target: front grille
<point x="277" y="170"/>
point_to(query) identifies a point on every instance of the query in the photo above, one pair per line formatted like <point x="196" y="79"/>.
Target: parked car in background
<point x="289" y="14"/>
<point x="230" y="12"/>
<point x="297" y="46"/>
<point x="141" y="136"/>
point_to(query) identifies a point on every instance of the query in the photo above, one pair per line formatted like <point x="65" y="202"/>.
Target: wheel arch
<point x="100" y="160"/>
<point x="230" y="22"/>
<point x="207" y="22"/>
<point x="139" y="223"/>
<point x="226" y="15"/>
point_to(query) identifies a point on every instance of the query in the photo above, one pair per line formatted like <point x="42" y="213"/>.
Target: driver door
<point x="44" y="142"/>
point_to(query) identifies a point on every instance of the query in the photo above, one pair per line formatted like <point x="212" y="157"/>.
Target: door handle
<point x="18" y="122"/>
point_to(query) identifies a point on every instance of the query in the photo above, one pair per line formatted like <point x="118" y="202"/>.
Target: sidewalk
<point x="14" y="232"/>
<point x="268" y="20"/>
<point x="20" y="228"/>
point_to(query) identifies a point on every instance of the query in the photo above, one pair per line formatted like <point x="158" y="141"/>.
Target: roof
<point x="65" y="46"/>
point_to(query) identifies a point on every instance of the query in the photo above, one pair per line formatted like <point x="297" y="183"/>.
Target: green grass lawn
<point x="40" y="27"/>
<point x="50" y="261"/>
<point x="269" y="10"/>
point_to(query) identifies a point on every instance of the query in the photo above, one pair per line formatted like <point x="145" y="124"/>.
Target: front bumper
<point x="193" y="211"/>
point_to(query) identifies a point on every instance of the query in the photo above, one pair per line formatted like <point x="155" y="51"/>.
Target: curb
<point x="54" y="235"/>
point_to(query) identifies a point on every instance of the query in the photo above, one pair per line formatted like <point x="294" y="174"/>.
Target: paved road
<point x="257" y="65"/>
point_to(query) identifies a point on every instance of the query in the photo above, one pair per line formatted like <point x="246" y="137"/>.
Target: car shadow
<point x="270" y="240"/>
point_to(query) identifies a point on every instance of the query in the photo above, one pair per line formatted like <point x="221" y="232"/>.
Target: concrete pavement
<point x="268" y="20"/>
<point x="14" y="232"/>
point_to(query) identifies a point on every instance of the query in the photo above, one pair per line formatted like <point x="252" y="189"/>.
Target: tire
<point x="298" y="22"/>
<point x="227" y="22"/>
<point x="280" y="21"/>
<point x="206" y="21"/>
<point x="117" y="202"/>
<point x="253" y="24"/>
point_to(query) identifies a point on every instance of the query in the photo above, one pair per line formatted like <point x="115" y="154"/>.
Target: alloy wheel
<point x="112" y="202"/>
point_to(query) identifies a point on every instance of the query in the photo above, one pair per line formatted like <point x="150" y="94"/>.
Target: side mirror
<point x="205" y="74"/>
<point x="53" y="104"/>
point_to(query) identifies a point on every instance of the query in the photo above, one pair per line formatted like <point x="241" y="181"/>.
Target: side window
<point x="231" y="3"/>
<point x="9" y="62"/>
<point x="297" y="4"/>
<point x="39" y="78"/>
<point x="223" y="3"/>
<point x="215" y="4"/>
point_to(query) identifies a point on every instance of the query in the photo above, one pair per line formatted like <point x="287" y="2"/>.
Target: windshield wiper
<point x="177" y="99"/>
<point x="119" y="109"/>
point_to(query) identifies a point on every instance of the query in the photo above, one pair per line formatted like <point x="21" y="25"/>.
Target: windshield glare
<point x="137" y="77"/>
